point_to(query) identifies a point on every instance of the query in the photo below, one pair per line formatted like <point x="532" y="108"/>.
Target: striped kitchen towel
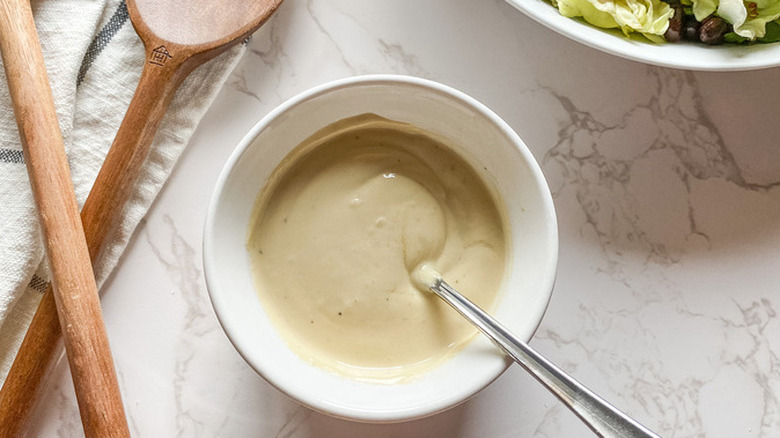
<point x="94" y="60"/>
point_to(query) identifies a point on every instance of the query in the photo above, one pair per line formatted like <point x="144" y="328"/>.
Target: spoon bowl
<point x="197" y="26"/>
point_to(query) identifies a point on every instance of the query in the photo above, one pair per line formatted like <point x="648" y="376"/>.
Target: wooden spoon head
<point x="200" y="25"/>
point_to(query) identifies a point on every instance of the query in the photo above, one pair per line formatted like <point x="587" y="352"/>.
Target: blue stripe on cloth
<point x="11" y="156"/>
<point x="102" y="39"/>
<point x="38" y="284"/>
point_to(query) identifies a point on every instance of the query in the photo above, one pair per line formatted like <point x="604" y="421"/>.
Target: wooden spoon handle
<point x="22" y="387"/>
<point x="75" y="293"/>
<point x="116" y="179"/>
<point x="102" y="209"/>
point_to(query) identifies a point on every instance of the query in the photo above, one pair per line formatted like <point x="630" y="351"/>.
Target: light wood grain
<point x="73" y="283"/>
<point x="167" y="64"/>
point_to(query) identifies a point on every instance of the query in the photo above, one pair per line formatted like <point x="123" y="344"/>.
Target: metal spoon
<point x="603" y="418"/>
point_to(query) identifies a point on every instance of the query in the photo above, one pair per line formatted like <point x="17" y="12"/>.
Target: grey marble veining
<point x="667" y="189"/>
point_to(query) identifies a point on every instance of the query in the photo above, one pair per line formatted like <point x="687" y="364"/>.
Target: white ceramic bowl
<point x="684" y="55"/>
<point x="483" y="139"/>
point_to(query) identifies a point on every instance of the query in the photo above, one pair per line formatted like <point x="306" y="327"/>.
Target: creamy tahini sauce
<point x="342" y="226"/>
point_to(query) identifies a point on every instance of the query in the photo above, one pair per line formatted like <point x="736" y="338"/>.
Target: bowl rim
<point x="221" y="307"/>
<point x="654" y="54"/>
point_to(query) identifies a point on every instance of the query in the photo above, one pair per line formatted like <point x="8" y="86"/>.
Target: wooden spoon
<point x="179" y="35"/>
<point x="74" y="289"/>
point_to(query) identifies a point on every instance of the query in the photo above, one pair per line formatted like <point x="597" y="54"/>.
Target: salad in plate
<point x="706" y="21"/>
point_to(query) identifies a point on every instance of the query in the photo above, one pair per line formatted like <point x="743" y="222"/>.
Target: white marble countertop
<point x="667" y="187"/>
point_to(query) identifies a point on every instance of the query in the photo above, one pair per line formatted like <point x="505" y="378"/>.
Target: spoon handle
<point x="603" y="418"/>
<point x="102" y="209"/>
<point x="74" y="289"/>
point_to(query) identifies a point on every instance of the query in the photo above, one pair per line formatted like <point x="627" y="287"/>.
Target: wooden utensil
<point x="179" y="35"/>
<point x="74" y="289"/>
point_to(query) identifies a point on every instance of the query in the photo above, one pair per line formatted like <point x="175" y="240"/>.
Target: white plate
<point x="684" y="55"/>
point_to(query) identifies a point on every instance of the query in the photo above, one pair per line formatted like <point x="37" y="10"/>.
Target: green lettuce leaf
<point x="649" y="17"/>
<point x="772" y="35"/>
<point x="704" y="8"/>
<point x="749" y="17"/>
